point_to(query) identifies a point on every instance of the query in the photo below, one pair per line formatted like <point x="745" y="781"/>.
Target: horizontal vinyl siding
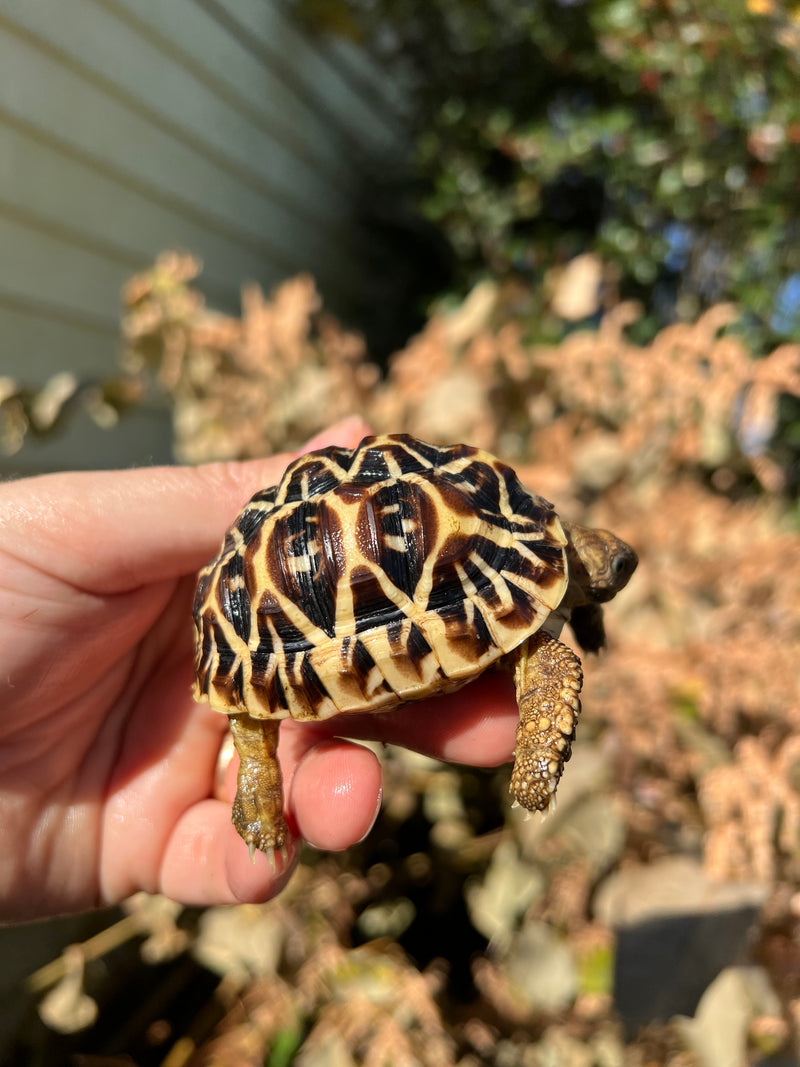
<point x="193" y="180"/>
<point x="91" y="209"/>
<point x="37" y="340"/>
<point x="253" y="57"/>
<point x="71" y="279"/>
<point x="130" y="126"/>
<point x="142" y="437"/>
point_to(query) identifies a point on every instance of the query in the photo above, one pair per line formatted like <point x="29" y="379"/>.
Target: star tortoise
<point x="371" y="577"/>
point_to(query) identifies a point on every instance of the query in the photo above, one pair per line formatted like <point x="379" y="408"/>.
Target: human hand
<point x="108" y="780"/>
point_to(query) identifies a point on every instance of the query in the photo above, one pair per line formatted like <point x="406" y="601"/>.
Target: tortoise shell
<point x="374" y="576"/>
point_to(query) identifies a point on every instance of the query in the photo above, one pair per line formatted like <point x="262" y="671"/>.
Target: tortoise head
<point x="600" y="564"/>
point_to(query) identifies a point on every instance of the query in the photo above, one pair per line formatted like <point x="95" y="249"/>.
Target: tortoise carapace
<point x="371" y="577"/>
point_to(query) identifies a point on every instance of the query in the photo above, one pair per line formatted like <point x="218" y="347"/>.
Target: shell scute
<point x="250" y="522"/>
<point x="404" y="454"/>
<point x="457" y="552"/>
<point x="277" y="632"/>
<point x="375" y="576"/>
<point x="233" y="598"/>
<point x="373" y="468"/>
<point x="522" y="614"/>
<point x="371" y="605"/>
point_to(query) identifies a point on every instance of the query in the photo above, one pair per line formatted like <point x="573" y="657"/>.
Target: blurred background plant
<point x="693" y="400"/>
<point x="655" y="917"/>
<point x="663" y="136"/>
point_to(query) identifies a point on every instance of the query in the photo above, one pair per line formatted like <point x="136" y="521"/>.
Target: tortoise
<point x="375" y="576"/>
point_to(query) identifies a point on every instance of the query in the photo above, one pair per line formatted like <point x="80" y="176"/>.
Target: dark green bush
<point x="664" y="135"/>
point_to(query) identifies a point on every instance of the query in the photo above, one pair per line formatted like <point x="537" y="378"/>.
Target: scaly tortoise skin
<point x="371" y="577"/>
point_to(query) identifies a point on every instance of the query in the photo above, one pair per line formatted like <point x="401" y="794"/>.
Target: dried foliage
<point x="245" y="387"/>
<point x="37" y="412"/>
<point x="459" y="932"/>
<point x="370" y="1002"/>
<point x="242" y="387"/>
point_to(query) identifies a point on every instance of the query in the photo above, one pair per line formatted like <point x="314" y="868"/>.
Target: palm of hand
<point x="102" y="751"/>
<point x="107" y="766"/>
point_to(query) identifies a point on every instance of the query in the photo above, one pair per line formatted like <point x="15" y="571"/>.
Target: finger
<point x="110" y="531"/>
<point x="332" y="789"/>
<point x="475" y="725"/>
<point x="336" y="794"/>
<point x="206" y="862"/>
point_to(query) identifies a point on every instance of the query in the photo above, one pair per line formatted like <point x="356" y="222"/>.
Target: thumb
<point x="112" y="531"/>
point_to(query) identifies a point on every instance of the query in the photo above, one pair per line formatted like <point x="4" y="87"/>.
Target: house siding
<point x="130" y="126"/>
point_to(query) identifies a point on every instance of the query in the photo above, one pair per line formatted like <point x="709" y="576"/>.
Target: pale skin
<point x="108" y="768"/>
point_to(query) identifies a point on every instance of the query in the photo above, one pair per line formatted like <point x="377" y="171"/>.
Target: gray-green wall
<point x="130" y="126"/>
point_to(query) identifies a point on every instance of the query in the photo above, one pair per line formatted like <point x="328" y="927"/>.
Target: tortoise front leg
<point x="258" y="806"/>
<point x="548" y="678"/>
<point x="587" y="624"/>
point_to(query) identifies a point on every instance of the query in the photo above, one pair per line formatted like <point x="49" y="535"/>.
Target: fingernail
<point x="368" y="830"/>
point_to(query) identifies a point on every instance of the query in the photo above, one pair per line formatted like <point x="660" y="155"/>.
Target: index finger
<point x="475" y="725"/>
<point x="112" y="531"/>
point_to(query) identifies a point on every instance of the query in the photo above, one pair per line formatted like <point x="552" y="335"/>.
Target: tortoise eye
<point x="623" y="564"/>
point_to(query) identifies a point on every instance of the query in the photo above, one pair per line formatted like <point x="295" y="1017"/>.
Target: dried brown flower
<point x="242" y="387"/>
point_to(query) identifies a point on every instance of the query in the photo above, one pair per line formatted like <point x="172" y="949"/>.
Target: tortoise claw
<point x="277" y="854"/>
<point x="276" y="864"/>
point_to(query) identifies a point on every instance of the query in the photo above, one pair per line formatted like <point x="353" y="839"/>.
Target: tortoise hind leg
<point x="548" y="678"/>
<point x="258" y="806"/>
